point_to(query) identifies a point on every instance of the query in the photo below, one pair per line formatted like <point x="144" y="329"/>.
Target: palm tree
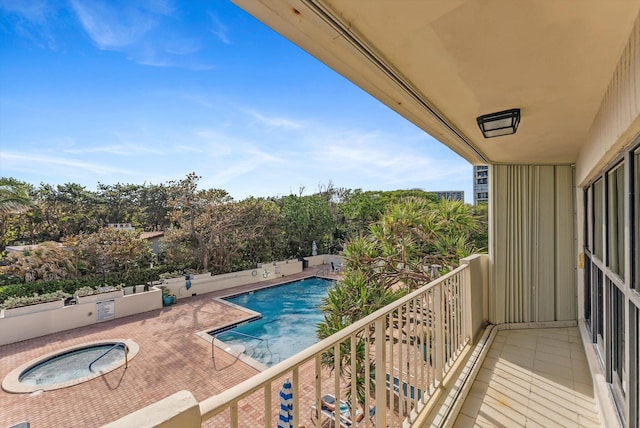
<point x="14" y="199"/>
<point x="388" y="263"/>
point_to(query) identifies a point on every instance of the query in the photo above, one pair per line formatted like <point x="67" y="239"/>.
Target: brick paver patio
<point x="171" y="358"/>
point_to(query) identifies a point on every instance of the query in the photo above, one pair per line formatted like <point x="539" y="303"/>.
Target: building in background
<point x="480" y="184"/>
<point x="452" y="195"/>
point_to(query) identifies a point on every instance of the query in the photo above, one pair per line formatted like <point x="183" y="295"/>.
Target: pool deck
<point x="172" y="357"/>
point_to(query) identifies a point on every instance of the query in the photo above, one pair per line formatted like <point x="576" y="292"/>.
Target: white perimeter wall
<point x="36" y="324"/>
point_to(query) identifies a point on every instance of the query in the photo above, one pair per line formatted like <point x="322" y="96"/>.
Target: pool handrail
<point x="215" y="337"/>
<point x="126" y="354"/>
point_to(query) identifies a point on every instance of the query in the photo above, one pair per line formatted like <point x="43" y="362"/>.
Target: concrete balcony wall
<point x="478" y="276"/>
<point x="178" y="410"/>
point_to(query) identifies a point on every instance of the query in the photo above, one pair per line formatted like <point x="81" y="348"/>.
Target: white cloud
<point x="112" y="26"/>
<point x="117" y="149"/>
<point x="32" y="21"/>
<point x="219" y="29"/>
<point x="141" y="31"/>
<point x="276" y="122"/>
<point x="37" y="163"/>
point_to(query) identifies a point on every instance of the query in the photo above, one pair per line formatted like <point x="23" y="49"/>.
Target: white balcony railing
<point x="400" y="355"/>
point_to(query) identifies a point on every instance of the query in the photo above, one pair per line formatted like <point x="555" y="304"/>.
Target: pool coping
<point x="11" y="383"/>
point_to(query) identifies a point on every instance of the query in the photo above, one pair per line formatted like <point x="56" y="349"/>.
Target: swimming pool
<point x="74" y="364"/>
<point x="70" y="366"/>
<point x="290" y="313"/>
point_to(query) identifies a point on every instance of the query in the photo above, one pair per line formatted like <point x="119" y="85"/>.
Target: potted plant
<point x="168" y="298"/>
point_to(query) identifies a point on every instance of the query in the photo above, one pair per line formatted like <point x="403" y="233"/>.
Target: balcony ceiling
<point x="442" y="63"/>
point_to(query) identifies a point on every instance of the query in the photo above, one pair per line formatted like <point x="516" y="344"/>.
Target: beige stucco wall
<point x="478" y="277"/>
<point x="28" y="326"/>
<point x="618" y="120"/>
<point x="205" y="283"/>
<point x="616" y="126"/>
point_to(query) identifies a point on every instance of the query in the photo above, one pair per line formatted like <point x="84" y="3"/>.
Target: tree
<point x="16" y="205"/>
<point x="66" y="210"/>
<point x="259" y="237"/>
<point x="121" y="202"/>
<point x="152" y="208"/>
<point x="109" y="250"/>
<point x="48" y="261"/>
<point x="192" y="213"/>
<point x="305" y="219"/>
<point x="14" y="199"/>
<point x="388" y="262"/>
<point x="360" y="209"/>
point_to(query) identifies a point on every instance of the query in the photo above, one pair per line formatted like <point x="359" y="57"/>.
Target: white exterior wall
<point x="205" y="283"/>
<point x="618" y="119"/>
<point x="40" y="320"/>
<point x="27" y="326"/>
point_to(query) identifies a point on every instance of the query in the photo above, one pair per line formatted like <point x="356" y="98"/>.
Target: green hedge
<point x="130" y="277"/>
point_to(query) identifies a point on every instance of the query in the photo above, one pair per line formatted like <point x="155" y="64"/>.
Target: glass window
<point x="587" y="290"/>
<point x="598" y="219"/>
<point x="615" y="219"/>
<point x="635" y="194"/>
<point x="588" y="227"/>
<point x="599" y="308"/>
<point x="617" y="339"/>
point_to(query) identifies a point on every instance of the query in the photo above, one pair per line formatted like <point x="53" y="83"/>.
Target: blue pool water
<point x="72" y="365"/>
<point x="290" y="313"/>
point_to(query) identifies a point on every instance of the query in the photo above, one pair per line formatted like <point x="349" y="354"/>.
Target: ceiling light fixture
<point x="500" y="123"/>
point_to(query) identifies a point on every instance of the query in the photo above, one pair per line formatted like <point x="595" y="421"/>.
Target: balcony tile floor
<point x="532" y="378"/>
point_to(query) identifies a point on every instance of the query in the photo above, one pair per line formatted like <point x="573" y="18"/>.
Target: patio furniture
<point x="328" y="410"/>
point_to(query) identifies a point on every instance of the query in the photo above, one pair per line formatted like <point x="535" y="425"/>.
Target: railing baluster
<point x="367" y="372"/>
<point x="439" y="330"/>
<point x="337" y="368"/>
<point x="403" y="337"/>
<point x="233" y="416"/>
<point x="389" y="364"/>
<point x="354" y="374"/>
<point x="296" y="397"/>
<point x="267" y="405"/>
<point x="318" y="386"/>
<point x="381" y="405"/>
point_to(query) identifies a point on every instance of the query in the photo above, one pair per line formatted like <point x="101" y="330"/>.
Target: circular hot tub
<point x="70" y="366"/>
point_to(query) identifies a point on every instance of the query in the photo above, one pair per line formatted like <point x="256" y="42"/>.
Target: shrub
<point x="16" y="302"/>
<point x="88" y="291"/>
<point x="115" y="279"/>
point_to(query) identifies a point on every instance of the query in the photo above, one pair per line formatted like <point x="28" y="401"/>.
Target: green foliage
<point x="116" y="279"/>
<point x="16" y="302"/>
<point x="388" y="262"/>
<point x="88" y="291"/>
<point x="305" y="219"/>
<point x="8" y="278"/>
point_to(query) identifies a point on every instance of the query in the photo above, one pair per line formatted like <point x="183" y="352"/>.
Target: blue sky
<point x="109" y="91"/>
